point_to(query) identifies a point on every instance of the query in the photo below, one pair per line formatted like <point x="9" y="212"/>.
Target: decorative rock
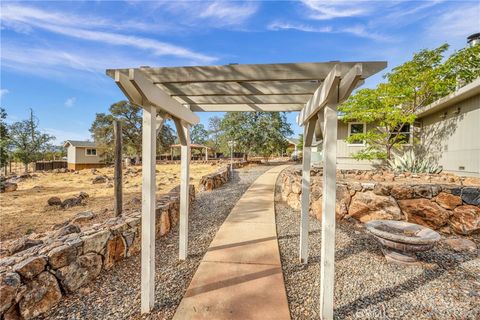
<point x="471" y="196"/>
<point x="342" y="201"/>
<point x="54" y="201"/>
<point x="424" y="212"/>
<point x="368" y="206"/>
<point x="465" y="219"/>
<point x="62" y="256"/>
<point x="42" y="294"/>
<point x="297" y="188"/>
<point x="68" y="229"/>
<point x="422" y="191"/>
<point x="95" y="242"/>
<point x="83" y="216"/>
<point x="401" y="192"/>
<point x="23" y="244"/>
<point x="164" y="223"/>
<point x="448" y="201"/>
<point x="9" y="286"/>
<point x="30" y="267"/>
<point x="85" y="269"/>
<point x="83" y="195"/>
<point x="381" y="189"/>
<point x="116" y="251"/>
<point x="461" y="244"/>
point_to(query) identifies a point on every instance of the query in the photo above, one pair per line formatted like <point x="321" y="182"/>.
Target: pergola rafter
<point x="314" y="89"/>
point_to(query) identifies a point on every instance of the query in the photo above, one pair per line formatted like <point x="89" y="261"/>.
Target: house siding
<point x="454" y="139"/>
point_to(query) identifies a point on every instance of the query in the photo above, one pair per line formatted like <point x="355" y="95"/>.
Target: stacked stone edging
<point x="445" y="207"/>
<point x="34" y="280"/>
<point x="221" y="176"/>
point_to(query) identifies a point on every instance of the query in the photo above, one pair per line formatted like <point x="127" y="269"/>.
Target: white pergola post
<point x="148" y="208"/>
<point x="308" y="132"/>
<point x="184" y="137"/>
<point x="327" y="262"/>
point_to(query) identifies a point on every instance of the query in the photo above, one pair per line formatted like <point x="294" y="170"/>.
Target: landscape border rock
<point x="452" y="207"/>
<point x="41" y="271"/>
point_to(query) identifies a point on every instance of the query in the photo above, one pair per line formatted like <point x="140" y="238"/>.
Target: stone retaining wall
<point x="34" y="279"/>
<point x="445" y="207"/>
<point x="214" y="180"/>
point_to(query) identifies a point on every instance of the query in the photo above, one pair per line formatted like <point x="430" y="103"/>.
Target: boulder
<point x="424" y="212"/>
<point x="54" y="201"/>
<point x="83" y="216"/>
<point x="342" y="201"/>
<point x="71" y="202"/>
<point x="85" y="269"/>
<point x="366" y="206"/>
<point x="83" y="195"/>
<point x="8" y="186"/>
<point x="461" y="244"/>
<point x="465" y="219"/>
<point x="30" y="267"/>
<point x="42" y="294"/>
<point x="296" y="187"/>
<point x="61" y="256"/>
<point x="164" y="223"/>
<point x="10" y="284"/>
<point x="448" y="200"/>
<point x="116" y="251"/>
<point x="471" y="196"/>
<point x="99" y="179"/>
<point x="96" y="242"/>
<point x="382" y="189"/>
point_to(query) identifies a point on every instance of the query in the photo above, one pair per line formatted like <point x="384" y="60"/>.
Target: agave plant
<point x="408" y="162"/>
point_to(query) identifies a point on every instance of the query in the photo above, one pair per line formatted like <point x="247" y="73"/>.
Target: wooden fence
<point x="50" y="165"/>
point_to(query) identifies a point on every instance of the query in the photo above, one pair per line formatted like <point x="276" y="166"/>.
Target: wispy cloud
<point x="16" y="16"/>
<point x="326" y="10"/>
<point x="216" y="13"/>
<point x="70" y="102"/>
<point x="3" y="92"/>
<point x="459" y="22"/>
<point x="357" y="30"/>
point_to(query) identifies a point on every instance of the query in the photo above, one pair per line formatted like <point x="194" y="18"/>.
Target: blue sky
<point x="54" y="54"/>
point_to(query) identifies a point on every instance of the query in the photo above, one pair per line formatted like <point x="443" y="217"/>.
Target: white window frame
<point x="350" y="133"/>
<point x="90" y="155"/>
<point x="410" y="136"/>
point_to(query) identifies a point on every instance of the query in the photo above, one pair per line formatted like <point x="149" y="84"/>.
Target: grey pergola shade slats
<point x="232" y="88"/>
<point x="261" y="99"/>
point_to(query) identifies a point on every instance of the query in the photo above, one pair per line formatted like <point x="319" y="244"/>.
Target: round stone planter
<point x="400" y="240"/>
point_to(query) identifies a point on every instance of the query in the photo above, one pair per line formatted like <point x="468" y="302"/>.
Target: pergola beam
<point x="258" y="99"/>
<point x="321" y="96"/>
<point x="159" y="98"/>
<point x="245" y="107"/>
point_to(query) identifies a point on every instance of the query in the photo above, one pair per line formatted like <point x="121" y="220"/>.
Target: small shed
<point x="83" y="155"/>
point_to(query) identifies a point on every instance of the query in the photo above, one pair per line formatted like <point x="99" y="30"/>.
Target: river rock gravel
<point x="445" y="286"/>
<point x="116" y="294"/>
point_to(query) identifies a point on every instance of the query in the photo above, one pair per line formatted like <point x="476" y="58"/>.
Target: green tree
<point x="392" y="105"/>
<point x="214" y="131"/>
<point x="131" y="118"/>
<point x="4" y="140"/>
<point x="199" y="134"/>
<point x="255" y="133"/>
<point x="28" y="143"/>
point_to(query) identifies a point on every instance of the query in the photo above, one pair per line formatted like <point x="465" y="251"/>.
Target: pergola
<point x="313" y="89"/>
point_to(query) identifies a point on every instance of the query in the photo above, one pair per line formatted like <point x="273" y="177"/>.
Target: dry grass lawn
<point x="26" y="210"/>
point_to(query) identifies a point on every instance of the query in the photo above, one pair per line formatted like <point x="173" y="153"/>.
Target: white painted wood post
<point x="327" y="263"/>
<point x="184" y="191"/>
<point x="148" y="208"/>
<point x="308" y="131"/>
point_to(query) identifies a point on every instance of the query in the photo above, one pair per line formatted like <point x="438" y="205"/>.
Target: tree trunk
<point x="117" y="129"/>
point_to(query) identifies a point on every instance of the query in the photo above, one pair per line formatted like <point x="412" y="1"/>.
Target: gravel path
<point x="446" y="286"/>
<point x="116" y="294"/>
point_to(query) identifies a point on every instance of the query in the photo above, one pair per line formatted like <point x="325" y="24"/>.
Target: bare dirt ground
<point x="26" y="210"/>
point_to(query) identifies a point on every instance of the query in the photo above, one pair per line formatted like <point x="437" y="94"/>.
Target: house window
<point x="91" y="152"/>
<point x="404" y="134"/>
<point x="354" y="128"/>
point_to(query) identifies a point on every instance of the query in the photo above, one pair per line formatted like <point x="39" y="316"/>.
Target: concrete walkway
<point x="240" y="276"/>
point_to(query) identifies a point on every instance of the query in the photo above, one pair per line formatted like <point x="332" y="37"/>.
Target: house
<point x="448" y="131"/>
<point x="83" y="155"/>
